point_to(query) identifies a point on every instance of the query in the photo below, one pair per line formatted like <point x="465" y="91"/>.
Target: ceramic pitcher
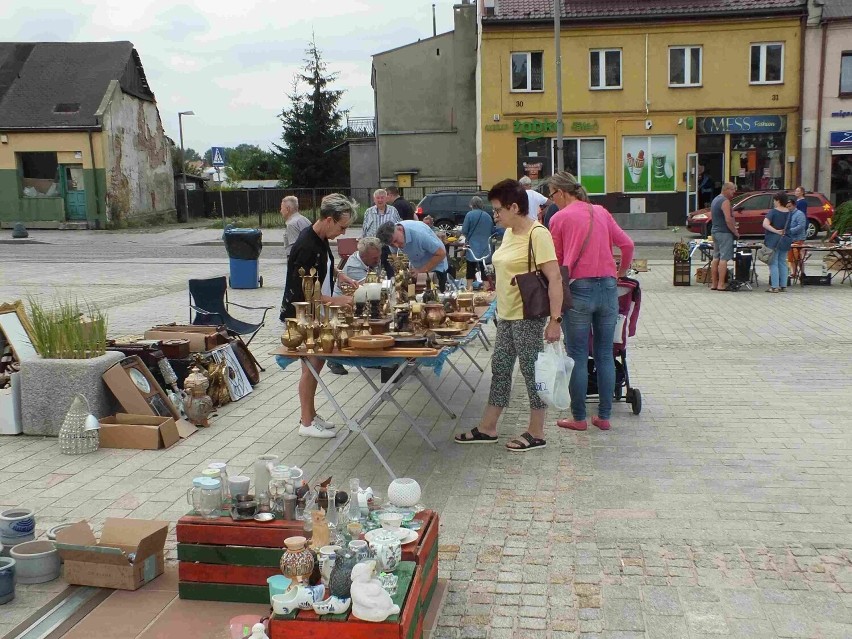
<point x="387" y="550"/>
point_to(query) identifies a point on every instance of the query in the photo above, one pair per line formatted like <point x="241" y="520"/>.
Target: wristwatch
<point x="558" y="320"/>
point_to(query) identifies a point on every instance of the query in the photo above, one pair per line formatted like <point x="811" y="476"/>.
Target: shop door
<point x="71" y="178"/>
<point x="691" y="182"/>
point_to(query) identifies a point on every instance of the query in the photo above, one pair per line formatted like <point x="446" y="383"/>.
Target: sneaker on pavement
<point x="337" y="369"/>
<point x="324" y="423"/>
<point x="314" y="430"/>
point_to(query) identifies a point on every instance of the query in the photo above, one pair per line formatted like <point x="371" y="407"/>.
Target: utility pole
<point x="557" y="19"/>
<point x="434" y="24"/>
<point x="183" y="165"/>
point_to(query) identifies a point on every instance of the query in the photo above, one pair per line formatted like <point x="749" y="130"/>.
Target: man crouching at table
<point x="312" y="250"/>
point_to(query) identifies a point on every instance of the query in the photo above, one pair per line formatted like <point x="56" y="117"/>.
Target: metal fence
<point x="264" y="204"/>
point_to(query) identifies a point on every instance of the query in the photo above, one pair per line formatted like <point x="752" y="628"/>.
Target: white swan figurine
<point x="370" y="602"/>
<point x="332" y="606"/>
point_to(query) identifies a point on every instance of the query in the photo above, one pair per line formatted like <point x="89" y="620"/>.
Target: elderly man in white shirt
<point x="536" y="199"/>
<point x="377" y="215"/>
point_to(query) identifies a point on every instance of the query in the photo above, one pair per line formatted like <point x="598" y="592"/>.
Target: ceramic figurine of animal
<point x="370" y="602"/>
<point x="340" y="581"/>
<point x="320" y="535"/>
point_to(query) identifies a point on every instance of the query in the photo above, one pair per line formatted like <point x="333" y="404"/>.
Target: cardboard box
<point x="138" y="431"/>
<point x="135" y="402"/>
<point x="201" y="338"/>
<point x="107" y="563"/>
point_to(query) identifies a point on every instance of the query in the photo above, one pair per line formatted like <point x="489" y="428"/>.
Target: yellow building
<point x="647" y="97"/>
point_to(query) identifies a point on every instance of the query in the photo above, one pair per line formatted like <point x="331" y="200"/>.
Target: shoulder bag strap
<point x="586" y="241"/>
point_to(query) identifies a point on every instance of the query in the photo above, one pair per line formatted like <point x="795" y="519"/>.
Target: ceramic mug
<point x="360" y="548"/>
<point x="278" y="585"/>
<point x="239" y="485"/>
<point x="326" y="558"/>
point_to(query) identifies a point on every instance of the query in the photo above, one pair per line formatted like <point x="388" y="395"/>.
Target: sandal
<point x="474" y="436"/>
<point x="524" y="443"/>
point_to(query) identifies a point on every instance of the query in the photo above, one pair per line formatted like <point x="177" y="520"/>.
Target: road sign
<point x="218" y="155"/>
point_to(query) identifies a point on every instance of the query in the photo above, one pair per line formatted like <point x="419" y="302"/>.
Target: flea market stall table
<point x="842" y="263"/>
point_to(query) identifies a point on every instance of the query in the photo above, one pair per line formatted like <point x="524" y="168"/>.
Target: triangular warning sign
<point x="217" y="157"/>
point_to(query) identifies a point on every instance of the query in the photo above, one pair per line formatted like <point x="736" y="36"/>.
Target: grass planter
<point x="49" y="385"/>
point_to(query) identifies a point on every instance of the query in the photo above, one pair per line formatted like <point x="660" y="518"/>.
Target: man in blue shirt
<point x="426" y="253"/>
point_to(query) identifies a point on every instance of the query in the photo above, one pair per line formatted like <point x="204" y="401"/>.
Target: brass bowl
<point x="460" y="317"/>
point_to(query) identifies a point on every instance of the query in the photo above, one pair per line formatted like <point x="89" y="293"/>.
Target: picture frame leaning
<point x="17" y="331"/>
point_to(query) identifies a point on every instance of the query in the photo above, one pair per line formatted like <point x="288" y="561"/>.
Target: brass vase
<point x="302" y="318"/>
<point x="327" y="339"/>
<point x="342" y="336"/>
<point x="292" y="337"/>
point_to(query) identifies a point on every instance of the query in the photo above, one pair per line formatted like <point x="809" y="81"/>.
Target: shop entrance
<point x="71" y="182"/>
<point x="711" y="156"/>
<point x="841" y="178"/>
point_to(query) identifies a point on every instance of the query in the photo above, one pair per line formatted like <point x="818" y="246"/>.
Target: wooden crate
<point x="408" y="624"/>
<point x="227" y="560"/>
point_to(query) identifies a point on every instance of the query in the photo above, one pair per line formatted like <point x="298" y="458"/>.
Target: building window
<point x="846" y="74"/>
<point x="527" y="74"/>
<point x="605" y="69"/>
<point x="767" y="63"/>
<point x="586" y="159"/>
<point x="39" y="174"/>
<point x="649" y="163"/>
<point x="684" y="66"/>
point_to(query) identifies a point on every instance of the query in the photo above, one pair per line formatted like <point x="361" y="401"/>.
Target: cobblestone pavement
<point x="722" y="510"/>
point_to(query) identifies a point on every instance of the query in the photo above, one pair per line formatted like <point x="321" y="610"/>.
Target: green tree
<point x="312" y="127"/>
<point x="191" y="156"/>
<point x="250" y="162"/>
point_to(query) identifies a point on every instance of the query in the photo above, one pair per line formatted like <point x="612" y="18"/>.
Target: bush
<point x="842" y="219"/>
<point x="68" y="331"/>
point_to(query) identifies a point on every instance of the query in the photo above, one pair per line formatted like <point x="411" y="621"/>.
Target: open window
<point x="39" y="173"/>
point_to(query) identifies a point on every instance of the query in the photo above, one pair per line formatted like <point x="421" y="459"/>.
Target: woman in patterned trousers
<point x="518" y="338"/>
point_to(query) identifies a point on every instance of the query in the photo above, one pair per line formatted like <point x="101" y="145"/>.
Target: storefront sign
<point x="841" y="114"/>
<point x="580" y="126"/>
<point x="722" y="124"/>
<point x="534" y="129"/>
<point x="841" y="140"/>
<point x="649" y="163"/>
<point x="496" y="127"/>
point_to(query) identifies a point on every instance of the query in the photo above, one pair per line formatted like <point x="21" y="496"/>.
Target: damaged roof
<point x="60" y="85"/>
<point x="595" y="10"/>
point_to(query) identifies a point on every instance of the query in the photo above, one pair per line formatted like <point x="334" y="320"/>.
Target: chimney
<point x="489" y="7"/>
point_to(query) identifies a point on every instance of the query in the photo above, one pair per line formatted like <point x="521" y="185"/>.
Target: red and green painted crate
<point x="227" y="560"/>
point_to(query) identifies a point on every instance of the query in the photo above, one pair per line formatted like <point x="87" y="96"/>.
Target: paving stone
<point x="623" y="614"/>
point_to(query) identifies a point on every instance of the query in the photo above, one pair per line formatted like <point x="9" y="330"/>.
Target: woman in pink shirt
<point x="584" y="235"/>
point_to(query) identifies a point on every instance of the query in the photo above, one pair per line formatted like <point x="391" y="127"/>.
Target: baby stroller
<point x="629" y="302"/>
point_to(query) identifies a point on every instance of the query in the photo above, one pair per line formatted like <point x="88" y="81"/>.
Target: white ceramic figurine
<point x="370" y="602"/>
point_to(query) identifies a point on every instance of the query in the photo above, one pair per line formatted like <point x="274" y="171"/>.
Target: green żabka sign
<point x="534" y="129"/>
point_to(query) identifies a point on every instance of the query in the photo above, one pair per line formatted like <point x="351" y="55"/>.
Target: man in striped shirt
<point x="377" y="215"/>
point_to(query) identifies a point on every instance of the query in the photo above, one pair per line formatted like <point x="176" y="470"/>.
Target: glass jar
<point x="222" y="467"/>
<point x="215" y="473"/>
<point x="283" y="480"/>
<point x="206" y="496"/>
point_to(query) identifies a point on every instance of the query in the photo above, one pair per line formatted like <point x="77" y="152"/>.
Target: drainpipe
<point x="824" y="27"/>
<point x="95" y="178"/>
<point x="647" y="104"/>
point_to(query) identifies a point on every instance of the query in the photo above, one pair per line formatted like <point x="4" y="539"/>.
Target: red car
<point x="750" y="208"/>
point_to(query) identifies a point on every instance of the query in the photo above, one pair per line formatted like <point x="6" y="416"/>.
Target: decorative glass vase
<point x="79" y="432"/>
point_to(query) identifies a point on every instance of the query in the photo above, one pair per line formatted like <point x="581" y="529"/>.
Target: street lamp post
<point x="183" y="164"/>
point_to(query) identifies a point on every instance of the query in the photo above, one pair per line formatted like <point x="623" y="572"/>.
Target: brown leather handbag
<point x="533" y="285"/>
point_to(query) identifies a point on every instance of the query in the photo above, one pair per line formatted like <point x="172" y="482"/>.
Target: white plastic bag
<point x="553" y="375"/>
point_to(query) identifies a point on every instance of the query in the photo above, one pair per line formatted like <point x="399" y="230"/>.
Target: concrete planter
<point x="49" y="385"/>
<point x="36" y="562"/>
<point x="7" y="579"/>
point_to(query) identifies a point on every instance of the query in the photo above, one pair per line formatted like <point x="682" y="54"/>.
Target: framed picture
<point x="238" y="384"/>
<point x="17" y="330"/>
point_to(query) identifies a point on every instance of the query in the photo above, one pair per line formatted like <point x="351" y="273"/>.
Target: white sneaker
<point x="324" y="423"/>
<point x="315" y="430"/>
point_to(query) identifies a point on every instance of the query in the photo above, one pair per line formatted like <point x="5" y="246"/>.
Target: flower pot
<point x="7" y="579"/>
<point x="17" y="525"/>
<point x="49" y="385"/>
<point x="36" y="562"/>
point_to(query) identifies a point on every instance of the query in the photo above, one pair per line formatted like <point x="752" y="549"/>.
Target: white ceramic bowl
<point x="35" y="562"/>
<point x="404" y="492"/>
<point x="390" y="521"/>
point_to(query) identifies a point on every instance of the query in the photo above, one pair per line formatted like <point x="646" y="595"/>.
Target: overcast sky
<point x="233" y="61"/>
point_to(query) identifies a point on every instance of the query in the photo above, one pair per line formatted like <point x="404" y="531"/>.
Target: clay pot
<point x="297" y="562"/>
<point x="435" y="315"/>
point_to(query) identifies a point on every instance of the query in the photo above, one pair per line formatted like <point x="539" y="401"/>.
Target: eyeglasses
<point x="497" y="209"/>
<point x="552" y="193"/>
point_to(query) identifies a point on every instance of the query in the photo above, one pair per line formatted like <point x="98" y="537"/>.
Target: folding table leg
<point x="388" y="396"/>
<point x="470" y="357"/>
<point x="461" y="377"/>
<point x="352" y="424"/>
<point x="419" y="375"/>
<point x="486" y="343"/>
